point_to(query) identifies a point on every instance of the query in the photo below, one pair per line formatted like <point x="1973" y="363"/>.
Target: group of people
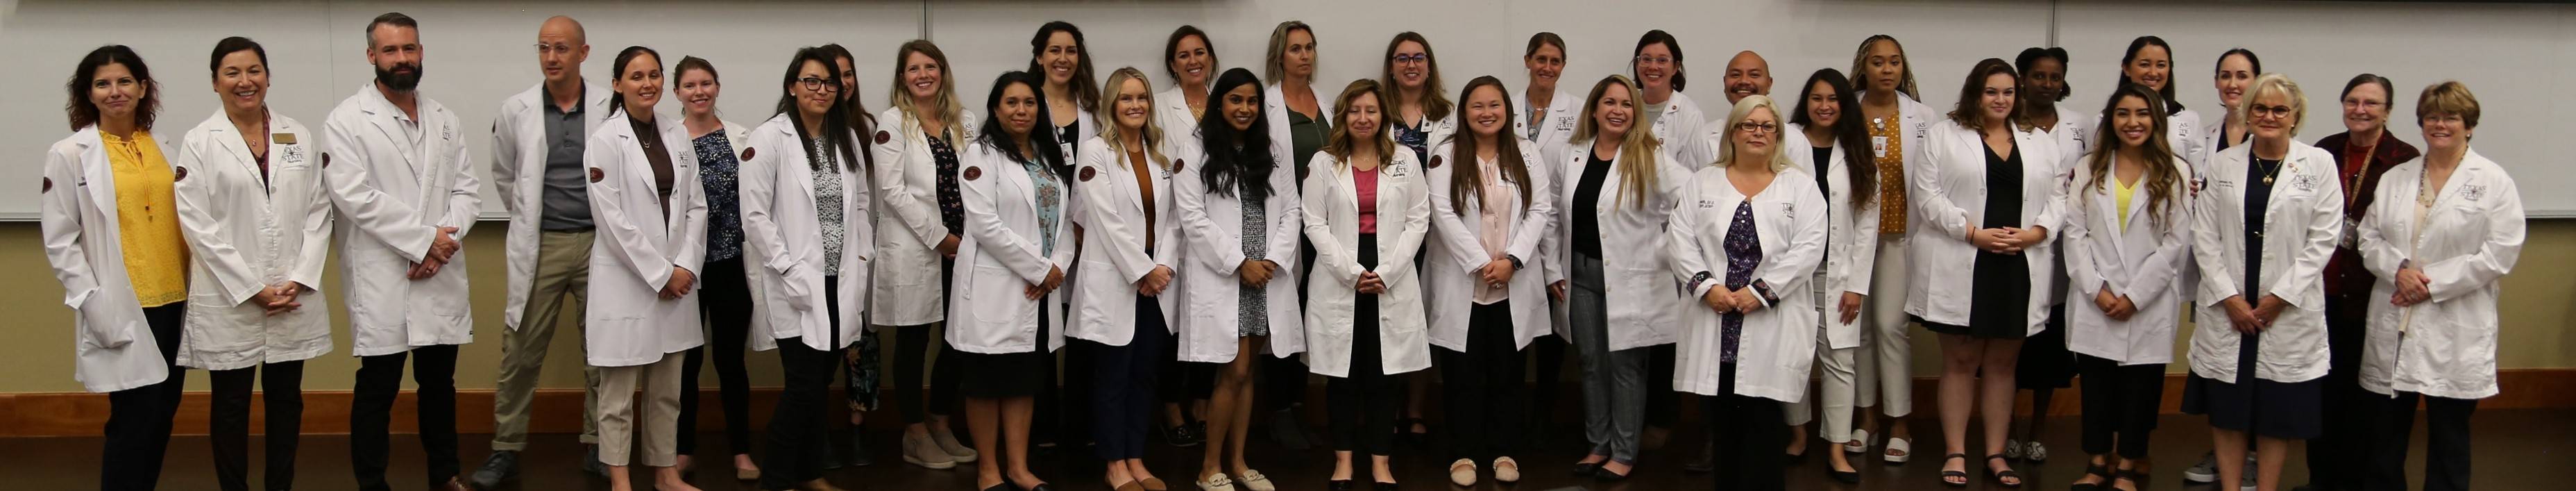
<point x="1185" y="240"/>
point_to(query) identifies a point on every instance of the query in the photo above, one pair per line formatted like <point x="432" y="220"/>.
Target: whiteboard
<point x="479" y="51"/>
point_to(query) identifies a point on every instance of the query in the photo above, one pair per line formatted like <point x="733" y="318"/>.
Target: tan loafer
<point x="1462" y="473"/>
<point x="1507" y="470"/>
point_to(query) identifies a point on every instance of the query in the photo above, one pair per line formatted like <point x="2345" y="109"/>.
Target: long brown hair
<point x="1435" y="104"/>
<point x="1468" y="180"/>
<point x="1637" y="148"/>
<point x="1340" y="143"/>
<point x="2161" y="175"/>
<point x="83" y="113"/>
<point x="1860" y="67"/>
<point x="1970" y="113"/>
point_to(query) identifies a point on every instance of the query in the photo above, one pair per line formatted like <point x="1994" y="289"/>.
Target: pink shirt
<point x="1365" y="184"/>
<point x="1495" y="229"/>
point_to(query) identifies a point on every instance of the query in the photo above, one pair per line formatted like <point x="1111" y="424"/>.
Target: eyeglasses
<point x="557" y="48"/>
<point x="1658" y="60"/>
<point x="818" y="84"/>
<point x="2364" y="104"/>
<point x="2268" y="112"/>
<point x="1758" y="128"/>
<point x="1410" y="59"/>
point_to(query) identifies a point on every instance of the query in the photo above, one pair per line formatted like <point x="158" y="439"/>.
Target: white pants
<point x="1885" y="357"/>
<point x="661" y="415"/>
<point x="1836" y="367"/>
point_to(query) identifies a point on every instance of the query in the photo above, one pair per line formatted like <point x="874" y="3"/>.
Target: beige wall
<point x="37" y="355"/>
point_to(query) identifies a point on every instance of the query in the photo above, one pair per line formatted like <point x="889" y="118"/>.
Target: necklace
<point x="2277" y="165"/>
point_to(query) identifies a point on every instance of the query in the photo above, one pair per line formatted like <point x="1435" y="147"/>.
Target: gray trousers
<point x="1614" y="382"/>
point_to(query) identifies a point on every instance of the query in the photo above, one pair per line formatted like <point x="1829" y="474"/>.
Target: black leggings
<point x="797" y="442"/>
<point x="1486" y="395"/>
<point x="911" y="347"/>
<point x="138" y="419"/>
<point x="229" y="425"/>
<point x="2120" y="405"/>
<point x="725" y="302"/>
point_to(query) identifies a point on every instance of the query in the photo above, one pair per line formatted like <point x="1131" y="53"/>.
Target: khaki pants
<point x="563" y="268"/>
<point x="661" y="415"/>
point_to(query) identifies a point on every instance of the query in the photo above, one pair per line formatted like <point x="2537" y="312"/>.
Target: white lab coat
<point x="1113" y="254"/>
<point x="1274" y="102"/>
<point x="1332" y="224"/>
<point x="1644" y="301"/>
<point x="1684" y="129"/>
<point x="2143" y="262"/>
<point x="1457" y="251"/>
<point x="1948" y="190"/>
<point x="782" y="237"/>
<point x="909" y="290"/>
<point x="1002" y="254"/>
<point x="1212" y="226"/>
<point x="643" y="239"/>
<point x="247" y="232"/>
<point x="2444" y="347"/>
<point x="1172" y="112"/>
<point x="1777" y="344"/>
<point x="1851" y="241"/>
<point x="2303" y="221"/>
<point x="1555" y="130"/>
<point x="392" y="194"/>
<point x="519" y="148"/>
<point x="114" y="345"/>
<point x="2072" y="145"/>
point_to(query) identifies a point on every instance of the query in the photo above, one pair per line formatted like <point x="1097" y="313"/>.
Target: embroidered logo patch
<point x="178" y="174"/>
<point x="747" y="152"/>
<point x="596" y="175"/>
<point x="2305" y="182"/>
<point x="974" y="172"/>
<point x="1087" y="172"/>
<point x="1174" y="169"/>
<point x="49" y="186"/>
<point x="1435" y="161"/>
<point x="2473" y="192"/>
<point x="883" y="137"/>
<point x="326" y="160"/>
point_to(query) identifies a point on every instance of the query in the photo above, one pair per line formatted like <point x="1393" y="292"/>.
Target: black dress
<point x="1999" y="301"/>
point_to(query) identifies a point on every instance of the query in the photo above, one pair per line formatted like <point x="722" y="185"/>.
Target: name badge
<point x="282" y="138"/>
<point x="1878" y="146"/>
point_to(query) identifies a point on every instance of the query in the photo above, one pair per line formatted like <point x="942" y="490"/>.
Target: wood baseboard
<point x="80" y="414"/>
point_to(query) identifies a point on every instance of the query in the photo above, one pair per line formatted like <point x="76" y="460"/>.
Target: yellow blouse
<point x="2120" y="193"/>
<point x="1891" y="174"/>
<point x="147" y="219"/>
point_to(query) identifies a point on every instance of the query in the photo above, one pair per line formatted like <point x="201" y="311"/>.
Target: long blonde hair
<point x="1107" y="113"/>
<point x="1340" y="143"/>
<point x="1744" y="111"/>
<point x="1637" y="148"/>
<point x="945" y="103"/>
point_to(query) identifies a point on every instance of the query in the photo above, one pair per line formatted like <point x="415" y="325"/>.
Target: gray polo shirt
<point x="565" y="204"/>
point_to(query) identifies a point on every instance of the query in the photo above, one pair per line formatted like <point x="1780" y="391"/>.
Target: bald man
<point x="1747" y="75"/>
<point x="536" y="164"/>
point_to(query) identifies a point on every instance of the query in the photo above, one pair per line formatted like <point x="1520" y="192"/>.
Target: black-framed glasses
<point x="1408" y="59"/>
<point x="1758" y="128"/>
<point x="2281" y="112"/>
<point x="819" y="84"/>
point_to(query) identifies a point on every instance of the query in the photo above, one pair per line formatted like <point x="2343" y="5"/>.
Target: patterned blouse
<point x="1743" y="253"/>
<point x="952" y="207"/>
<point x="1891" y="173"/>
<point x="1050" y="204"/>
<point x="827" y="202"/>
<point x="724" y="208"/>
<point x="1253" y="312"/>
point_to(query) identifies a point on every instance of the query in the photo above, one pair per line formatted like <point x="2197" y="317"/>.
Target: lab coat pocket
<point x="1000" y="298"/>
<point x="378" y="275"/>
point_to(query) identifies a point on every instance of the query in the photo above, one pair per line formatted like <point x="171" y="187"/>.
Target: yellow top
<point x="2120" y="193"/>
<point x="147" y="219"/>
<point x="1891" y="173"/>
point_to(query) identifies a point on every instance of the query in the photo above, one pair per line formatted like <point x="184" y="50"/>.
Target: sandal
<point x="1859" y="442"/>
<point x="1216" y="482"/>
<point x="2092" y="470"/>
<point x="1899" y="450"/>
<point x="1253" y="480"/>
<point x="1463" y="473"/>
<point x="1961" y="475"/>
<point x="2137" y="480"/>
<point x="1507" y="470"/>
<point x="1998" y="476"/>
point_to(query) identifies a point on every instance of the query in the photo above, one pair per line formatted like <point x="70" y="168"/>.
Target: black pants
<point x="138" y="419"/>
<point x="2346" y="443"/>
<point x="1748" y="437"/>
<point x="1123" y="378"/>
<point x="724" y="300"/>
<point x="1063" y="411"/>
<point x="282" y="386"/>
<point x="2120" y="404"/>
<point x="911" y="349"/>
<point x="797" y="440"/>
<point x="1663" y="405"/>
<point x="1548" y="353"/>
<point x="1364" y="405"/>
<point x="2446" y="431"/>
<point x="1486" y="396"/>
<point x="433" y="369"/>
<point x="1283" y="381"/>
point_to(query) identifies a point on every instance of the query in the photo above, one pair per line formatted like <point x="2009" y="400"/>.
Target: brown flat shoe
<point x="1153" y="484"/>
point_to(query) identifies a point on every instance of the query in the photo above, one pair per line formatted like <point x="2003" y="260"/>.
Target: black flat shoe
<point x="1338" y="485"/>
<point x="1385" y="486"/>
<point x="1004" y="486"/>
<point x="1845" y="477"/>
<point x="1606" y="476"/>
<point x="1587" y="469"/>
<point x="2090" y="470"/>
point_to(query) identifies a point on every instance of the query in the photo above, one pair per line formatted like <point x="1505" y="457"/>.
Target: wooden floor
<point x="2515" y="449"/>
